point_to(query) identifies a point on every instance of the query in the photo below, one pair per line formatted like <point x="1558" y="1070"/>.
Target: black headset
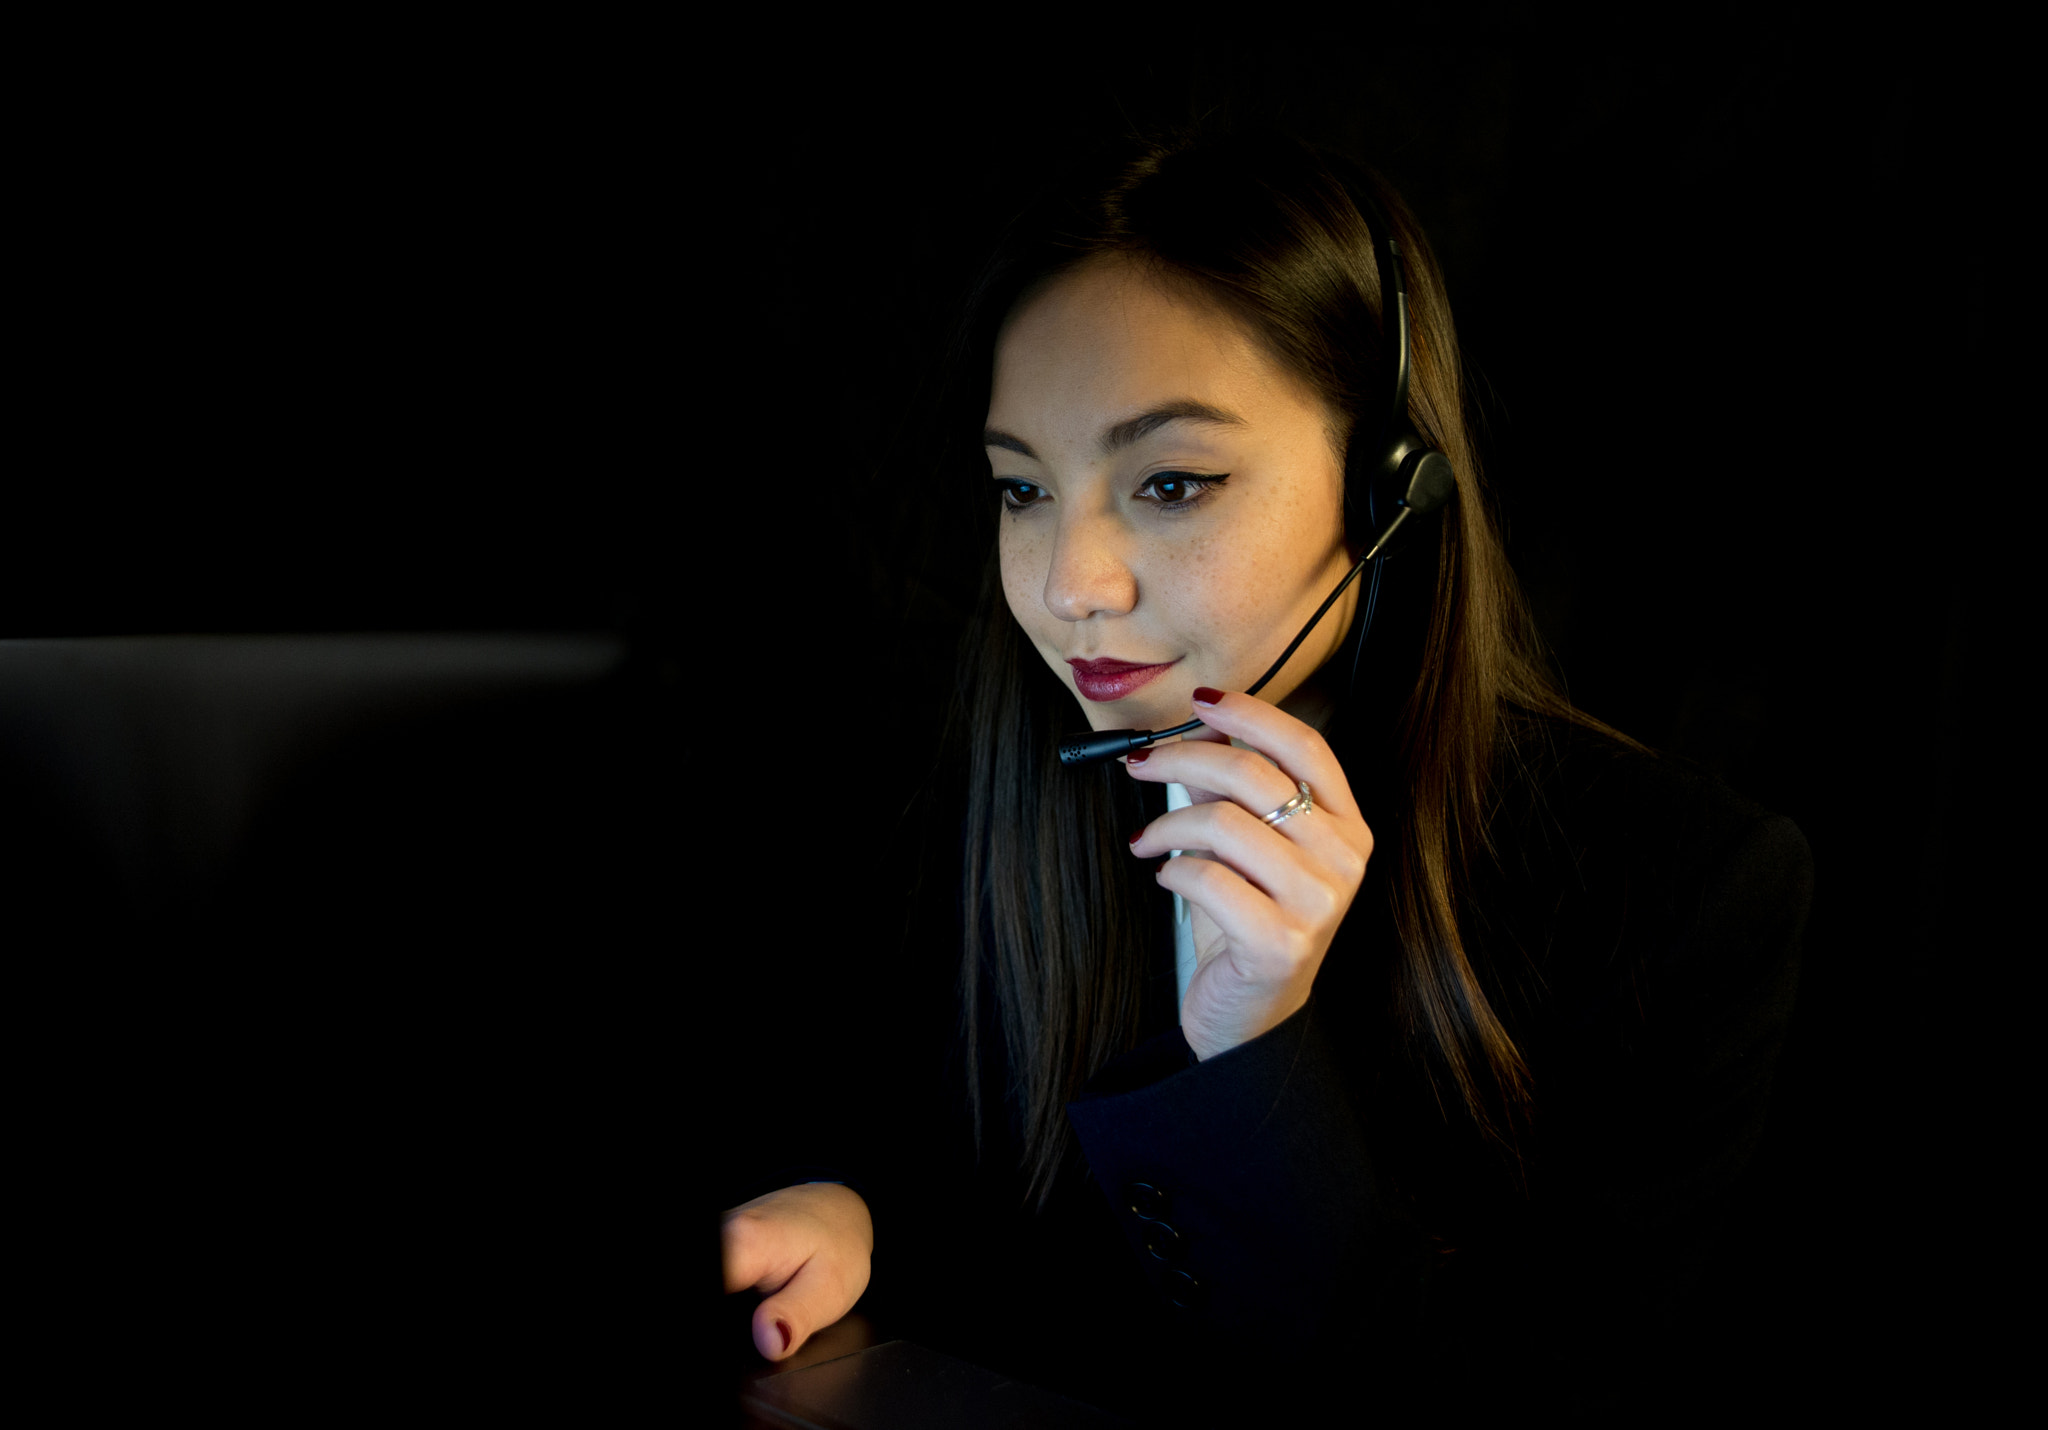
<point x="1417" y="478"/>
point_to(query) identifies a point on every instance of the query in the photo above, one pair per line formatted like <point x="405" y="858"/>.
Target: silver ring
<point x="1300" y="804"/>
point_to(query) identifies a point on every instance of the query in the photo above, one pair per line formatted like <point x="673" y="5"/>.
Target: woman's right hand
<point x="806" y="1250"/>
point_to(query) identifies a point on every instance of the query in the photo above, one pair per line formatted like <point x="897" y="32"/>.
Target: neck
<point x="1315" y="701"/>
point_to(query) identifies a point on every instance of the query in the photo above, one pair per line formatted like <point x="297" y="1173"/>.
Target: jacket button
<point x="1146" y="1200"/>
<point x="1163" y="1241"/>
<point x="1184" y="1291"/>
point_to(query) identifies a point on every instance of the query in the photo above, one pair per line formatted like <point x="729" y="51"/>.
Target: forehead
<point x="1107" y="339"/>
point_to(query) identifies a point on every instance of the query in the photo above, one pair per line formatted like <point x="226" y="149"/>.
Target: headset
<point x="1417" y="478"/>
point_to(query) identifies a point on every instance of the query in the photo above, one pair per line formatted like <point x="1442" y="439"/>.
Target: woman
<point x="1444" y="1041"/>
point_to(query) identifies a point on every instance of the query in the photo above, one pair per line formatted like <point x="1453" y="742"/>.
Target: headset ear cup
<point x="1421" y="481"/>
<point x="1428" y="481"/>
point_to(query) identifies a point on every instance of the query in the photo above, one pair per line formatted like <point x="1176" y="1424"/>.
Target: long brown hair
<point x="1264" y="225"/>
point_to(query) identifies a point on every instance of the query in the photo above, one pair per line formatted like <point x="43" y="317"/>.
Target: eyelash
<point x="1203" y="486"/>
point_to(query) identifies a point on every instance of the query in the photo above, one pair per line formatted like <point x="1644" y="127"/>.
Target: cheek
<point x="1216" y="582"/>
<point x="1234" y="590"/>
<point x="1023" y="575"/>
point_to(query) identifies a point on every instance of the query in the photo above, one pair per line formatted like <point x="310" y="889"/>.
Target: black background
<point x="491" y="334"/>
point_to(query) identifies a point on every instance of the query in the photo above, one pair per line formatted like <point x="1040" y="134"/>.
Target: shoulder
<point x="1610" y="859"/>
<point x="1568" y="789"/>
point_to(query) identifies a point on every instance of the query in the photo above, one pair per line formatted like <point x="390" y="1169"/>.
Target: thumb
<point x="775" y="1330"/>
<point x="812" y="1300"/>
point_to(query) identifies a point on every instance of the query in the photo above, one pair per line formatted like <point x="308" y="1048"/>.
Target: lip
<point x="1106" y="680"/>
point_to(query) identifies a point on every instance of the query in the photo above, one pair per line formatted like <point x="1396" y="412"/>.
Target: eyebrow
<point x="1132" y="429"/>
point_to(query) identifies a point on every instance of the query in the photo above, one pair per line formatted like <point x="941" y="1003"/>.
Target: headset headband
<point x="1393" y="299"/>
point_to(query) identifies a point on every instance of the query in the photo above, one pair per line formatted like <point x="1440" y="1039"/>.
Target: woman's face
<point x="1172" y="553"/>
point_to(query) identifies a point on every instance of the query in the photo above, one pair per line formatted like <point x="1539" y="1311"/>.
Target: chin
<point x="1116" y="714"/>
<point x="1139" y="713"/>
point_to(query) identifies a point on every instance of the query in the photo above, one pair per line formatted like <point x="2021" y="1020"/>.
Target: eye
<point x="1180" y="491"/>
<point x="1018" y="495"/>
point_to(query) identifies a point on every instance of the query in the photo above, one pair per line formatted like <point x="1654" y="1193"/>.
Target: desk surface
<point x="852" y="1376"/>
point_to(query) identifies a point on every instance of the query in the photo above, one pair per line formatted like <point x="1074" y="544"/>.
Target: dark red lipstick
<point x="1112" y="679"/>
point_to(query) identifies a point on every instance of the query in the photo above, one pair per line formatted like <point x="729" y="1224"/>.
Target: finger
<point x="820" y="1293"/>
<point x="1271" y="945"/>
<point x="1221" y="770"/>
<point x="1201" y="735"/>
<point x="1295" y="746"/>
<point x="1304" y="873"/>
<point x="1326" y="845"/>
<point x="760" y="1252"/>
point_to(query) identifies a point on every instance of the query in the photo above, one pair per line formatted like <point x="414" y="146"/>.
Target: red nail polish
<point x="1137" y="757"/>
<point x="1205" y="696"/>
<point x="1137" y="836"/>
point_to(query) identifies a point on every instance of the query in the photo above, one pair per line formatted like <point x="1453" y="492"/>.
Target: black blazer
<point x="1297" y="1220"/>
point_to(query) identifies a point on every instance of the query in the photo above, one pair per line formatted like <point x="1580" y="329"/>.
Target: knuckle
<point x="1324" y="905"/>
<point x="740" y="1229"/>
<point x="1350" y="869"/>
<point x="743" y="1246"/>
<point x="1301" y="946"/>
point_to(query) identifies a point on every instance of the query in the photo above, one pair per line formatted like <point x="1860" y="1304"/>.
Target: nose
<point x="1090" y="574"/>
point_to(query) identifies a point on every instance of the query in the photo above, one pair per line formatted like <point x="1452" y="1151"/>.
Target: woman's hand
<point x="1265" y="900"/>
<point x="806" y="1249"/>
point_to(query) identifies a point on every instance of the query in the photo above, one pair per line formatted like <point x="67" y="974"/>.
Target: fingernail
<point x="1205" y="696"/>
<point x="782" y="1327"/>
<point x="1137" y="835"/>
<point x="1137" y="757"/>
